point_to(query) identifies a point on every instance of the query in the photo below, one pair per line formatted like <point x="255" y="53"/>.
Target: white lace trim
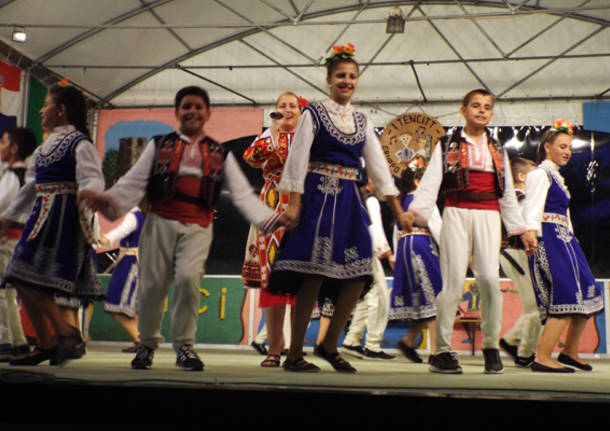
<point x="340" y="131"/>
<point x="553" y="171"/>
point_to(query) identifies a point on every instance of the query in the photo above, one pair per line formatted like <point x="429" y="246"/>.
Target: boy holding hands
<point x="181" y="174"/>
<point x="471" y="169"/>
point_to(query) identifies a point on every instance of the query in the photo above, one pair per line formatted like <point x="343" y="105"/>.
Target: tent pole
<point x="25" y="95"/>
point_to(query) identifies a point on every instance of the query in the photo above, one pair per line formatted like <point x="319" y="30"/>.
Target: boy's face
<point x="479" y="111"/>
<point x="192" y="114"/>
<point x="521" y="177"/>
<point x="5" y="148"/>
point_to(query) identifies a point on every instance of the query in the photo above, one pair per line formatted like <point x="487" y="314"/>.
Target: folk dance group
<point x="312" y="235"/>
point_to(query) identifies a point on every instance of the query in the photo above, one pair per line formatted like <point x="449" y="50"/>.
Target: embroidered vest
<point x="59" y="163"/>
<point x="20" y="172"/>
<point x="455" y="162"/>
<point x="331" y="145"/>
<point x="168" y="154"/>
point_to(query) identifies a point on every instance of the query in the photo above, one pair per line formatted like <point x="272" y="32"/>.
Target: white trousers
<point x="171" y="250"/>
<point x="466" y="234"/>
<point x="526" y="331"/>
<point x="11" y="331"/>
<point x="371" y="313"/>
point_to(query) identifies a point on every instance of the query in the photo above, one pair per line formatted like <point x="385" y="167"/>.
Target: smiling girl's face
<point x="343" y="81"/>
<point x="559" y="150"/>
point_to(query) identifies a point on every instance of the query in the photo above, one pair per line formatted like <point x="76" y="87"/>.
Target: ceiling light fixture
<point x="19" y="34"/>
<point x="396" y="21"/>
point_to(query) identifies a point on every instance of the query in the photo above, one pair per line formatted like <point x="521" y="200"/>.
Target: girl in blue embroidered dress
<point x="329" y="252"/>
<point x="53" y="256"/>
<point x="122" y="293"/>
<point x="417" y="272"/>
<point x="566" y="290"/>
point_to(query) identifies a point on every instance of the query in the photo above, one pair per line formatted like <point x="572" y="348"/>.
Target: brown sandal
<point x="300" y="365"/>
<point x="271" y="361"/>
<point x="335" y="359"/>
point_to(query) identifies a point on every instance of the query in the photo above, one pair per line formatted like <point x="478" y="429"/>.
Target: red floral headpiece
<point x="563" y="126"/>
<point x="416" y="164"/>
<point x="302" y="102"/>
<point x="340" y="51"/>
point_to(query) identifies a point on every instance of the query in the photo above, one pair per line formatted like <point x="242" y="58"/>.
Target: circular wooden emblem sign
<point x="409" y="136"/>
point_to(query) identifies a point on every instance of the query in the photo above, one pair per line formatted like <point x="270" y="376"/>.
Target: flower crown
<point x="563" y="126"/>
<point x="416" y="164"/>
<point x="340" y="52"/>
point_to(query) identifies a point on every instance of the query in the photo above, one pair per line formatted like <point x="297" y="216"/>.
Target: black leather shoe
<point x="70" y="346"/>
<point x="131" y="349"/>
<point x="36" y="356"/>
<point x="260" y="348"/>
<point x="493" y="362"/>
<point x="355" y="351"/>
<point x="566" y="360"/>
<point x="536" y="367"/>
<point x="510" y="350"/>
<point x="525" y="362"/>
<point x="409" y="352"/>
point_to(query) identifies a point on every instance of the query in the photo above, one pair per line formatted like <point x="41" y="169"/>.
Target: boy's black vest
<point x="168" y="154"/>
<point x="20" y="172"/>
<point x="455" y="162"/>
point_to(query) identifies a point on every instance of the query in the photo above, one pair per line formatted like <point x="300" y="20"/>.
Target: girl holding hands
<point x="329" y="252"/>
<point x="566" y="289"/>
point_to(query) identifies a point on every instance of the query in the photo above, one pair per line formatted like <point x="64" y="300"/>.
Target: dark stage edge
<point x="101" y="390"/>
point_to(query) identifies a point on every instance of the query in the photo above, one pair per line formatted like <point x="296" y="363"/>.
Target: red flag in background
<point x="10" y="76"/>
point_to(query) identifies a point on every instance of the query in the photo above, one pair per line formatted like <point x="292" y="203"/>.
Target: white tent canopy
<point x="542" y="58"/>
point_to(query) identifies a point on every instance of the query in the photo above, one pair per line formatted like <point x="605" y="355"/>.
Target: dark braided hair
<point x="74" y="102"/>
<point x="406" y="182"/>
<point x="336" y="61"/>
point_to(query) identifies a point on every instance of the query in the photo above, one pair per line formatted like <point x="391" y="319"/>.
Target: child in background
<point x="521" y="340"/>
<point x="372" y="311"/>
<point x="417" y="273"/>
<point x="17" y="145"/>
<point x="121" y="296"/>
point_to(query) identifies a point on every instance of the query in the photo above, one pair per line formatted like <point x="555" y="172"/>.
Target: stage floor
<point x="104" y="374"/>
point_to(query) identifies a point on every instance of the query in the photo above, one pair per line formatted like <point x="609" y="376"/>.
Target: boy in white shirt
<point x="469" y="167"/>
<point x="17" y="145"/>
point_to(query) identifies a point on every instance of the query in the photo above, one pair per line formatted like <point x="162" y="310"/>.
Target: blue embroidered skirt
<point x="561" y="276"/>
<point x="331" y="239"/>
<point x="52" y="252"/>
<point x="417" y="278"/>
<point x="121" y="296"/>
